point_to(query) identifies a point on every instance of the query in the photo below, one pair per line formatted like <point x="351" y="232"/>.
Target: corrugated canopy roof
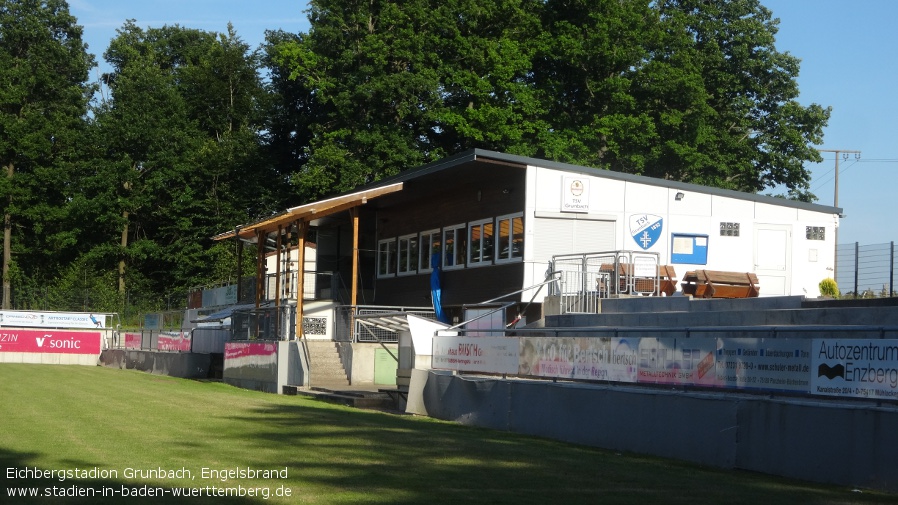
<point x="313" y="210"/>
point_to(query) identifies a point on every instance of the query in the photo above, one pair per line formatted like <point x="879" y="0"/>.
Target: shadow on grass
<point x="377" y="457"/>
<point x="24" y="483"/>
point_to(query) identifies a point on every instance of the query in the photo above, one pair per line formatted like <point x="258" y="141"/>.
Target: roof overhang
<point x="307" y="212"/>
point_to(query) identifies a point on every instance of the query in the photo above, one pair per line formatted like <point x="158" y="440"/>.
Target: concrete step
<point x="353" y="398"/>
<point x="325" y="362"/>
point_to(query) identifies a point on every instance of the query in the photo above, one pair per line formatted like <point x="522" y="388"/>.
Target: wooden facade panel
<point x="435" y="206"/>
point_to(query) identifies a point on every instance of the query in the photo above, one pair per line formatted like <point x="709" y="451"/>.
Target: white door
<point x="772" y="258"/>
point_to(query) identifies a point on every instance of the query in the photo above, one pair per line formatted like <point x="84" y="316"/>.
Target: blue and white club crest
<point x="646" y="229"/>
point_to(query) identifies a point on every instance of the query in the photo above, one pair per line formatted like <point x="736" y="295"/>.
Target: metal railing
<point x="584" y="279"/>
<point x="264" y="323"/>
<point x="349" y="329"/>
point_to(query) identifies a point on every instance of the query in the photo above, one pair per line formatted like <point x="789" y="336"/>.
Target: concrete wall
<point x="359" y="359"/>
<point x="49" y="358"/>
<point x="837" y="442"/>
<point x="176" y="364"/>
<point x="287" y="367"/>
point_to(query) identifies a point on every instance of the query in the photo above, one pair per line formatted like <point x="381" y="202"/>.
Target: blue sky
<point x="848" y="50"/>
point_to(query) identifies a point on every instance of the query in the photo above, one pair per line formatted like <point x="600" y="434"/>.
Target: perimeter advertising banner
<point x="173" y="341"/>
<point x="762" y="364"/>
<point x="856" y="368"/>
<point x="50" y="342"/>
<point x="133" y="340"/>
<point x="52" y="319"/>
<point x="612" y="359"/>
<point x="251" y="360"/>
<point x="476" y="354"/>
<point x="733" y="363"/>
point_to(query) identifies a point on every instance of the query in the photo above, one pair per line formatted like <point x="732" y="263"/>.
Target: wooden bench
<point x="717" y="284"/>
<point x="667" y="279"/>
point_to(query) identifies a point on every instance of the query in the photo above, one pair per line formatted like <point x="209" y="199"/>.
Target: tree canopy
<point x="688" y="90"/>
<point x="197" y="132"/>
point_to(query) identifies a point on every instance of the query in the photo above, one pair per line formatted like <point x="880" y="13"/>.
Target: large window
<point x="454" y="246"/>
<point x="386" y="257"/>
<point x="431" y="244"/>
<point x="481" y="246"/>
<point x="511" y="238"/>
<point x="408" y="255"/>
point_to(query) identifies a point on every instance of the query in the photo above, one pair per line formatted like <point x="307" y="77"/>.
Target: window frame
<point x="427" y="238"/>
<point x="486" y="242"/>
<point x="390" y="247"/>
<point x="411" y="254"/>
<point x="499" y="259"/>
<point x="459" y="232"/>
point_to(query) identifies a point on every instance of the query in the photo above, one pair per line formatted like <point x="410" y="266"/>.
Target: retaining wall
<point x="186" y="365"/>
<point x="832" y="441"/>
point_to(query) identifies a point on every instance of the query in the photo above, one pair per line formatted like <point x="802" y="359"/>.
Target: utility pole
<point x="844" y="153"/>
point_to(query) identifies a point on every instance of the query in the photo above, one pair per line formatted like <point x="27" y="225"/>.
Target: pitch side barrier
<point x="845" y="362"/>
<point x="65" y="338"/>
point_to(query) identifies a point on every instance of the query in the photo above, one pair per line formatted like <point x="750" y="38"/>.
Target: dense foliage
<point x="194" y="132"/>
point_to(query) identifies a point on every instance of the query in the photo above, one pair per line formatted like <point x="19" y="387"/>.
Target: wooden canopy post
<point x="354" y="293"/>
<point x="277" y="281"/>
<point x="260" y="266"/>
<point x="301" y="227"/>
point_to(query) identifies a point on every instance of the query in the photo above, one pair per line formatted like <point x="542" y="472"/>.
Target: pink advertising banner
<point x="50" y="341"/>
<point x="173" y="342"/>
<point x="133" y="340"/>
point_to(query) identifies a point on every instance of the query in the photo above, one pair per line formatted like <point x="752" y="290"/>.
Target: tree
<point x="181" y="151"/>
<point x="43" y="102"/>
<point x="689" y="90"/>
<point x="724" y="101"/>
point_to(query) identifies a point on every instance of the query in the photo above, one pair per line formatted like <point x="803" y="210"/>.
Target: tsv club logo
<point x="646" y="229"/>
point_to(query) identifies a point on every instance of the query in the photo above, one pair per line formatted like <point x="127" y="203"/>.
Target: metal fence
<point x="265" y="323"/>
<point x="348" y="329"/>
<point x="584" y="279"/>
<point x="866" y="271"/>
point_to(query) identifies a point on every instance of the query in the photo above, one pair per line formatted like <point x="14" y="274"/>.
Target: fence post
<point x="891" y="267"/>
<point x="857" y="261"/>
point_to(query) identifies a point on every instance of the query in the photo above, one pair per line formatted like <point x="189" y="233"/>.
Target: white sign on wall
<point x="855" y="367"/>
<point x="575" y="194"/>
<point x="473" y="354"/>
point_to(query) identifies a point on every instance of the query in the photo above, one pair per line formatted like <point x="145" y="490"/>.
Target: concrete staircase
<point x="329" y="382"/>
<point x="325" y="364"/>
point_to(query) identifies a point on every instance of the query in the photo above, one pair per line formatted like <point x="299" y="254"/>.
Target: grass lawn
<point x="125" y="425"/>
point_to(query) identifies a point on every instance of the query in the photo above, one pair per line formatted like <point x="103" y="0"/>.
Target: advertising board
<point x="50" y="341"/>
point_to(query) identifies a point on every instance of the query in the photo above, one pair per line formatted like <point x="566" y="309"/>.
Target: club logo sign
<point x="646" y="229"/>
<point x="575" y="195"/>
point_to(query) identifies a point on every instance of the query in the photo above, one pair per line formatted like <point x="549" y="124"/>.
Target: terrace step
<point x="361" y="399"/>
<point x="325" y="363"/>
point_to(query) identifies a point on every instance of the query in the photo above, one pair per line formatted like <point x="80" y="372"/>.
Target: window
<point x="480" y="242"/>
<point x="511" y="238"/>
<point x="408" y="255"/>
<point x="815" y="233"/>
<point x="431" y="245"/>
<point x="729" y="229"/>
<point x="454" y="246"/>
<point x="386" y="257"/>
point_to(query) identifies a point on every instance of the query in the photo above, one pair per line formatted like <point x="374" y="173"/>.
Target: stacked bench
<point x="667" y="279"/>
<point x="717" y="284"/>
